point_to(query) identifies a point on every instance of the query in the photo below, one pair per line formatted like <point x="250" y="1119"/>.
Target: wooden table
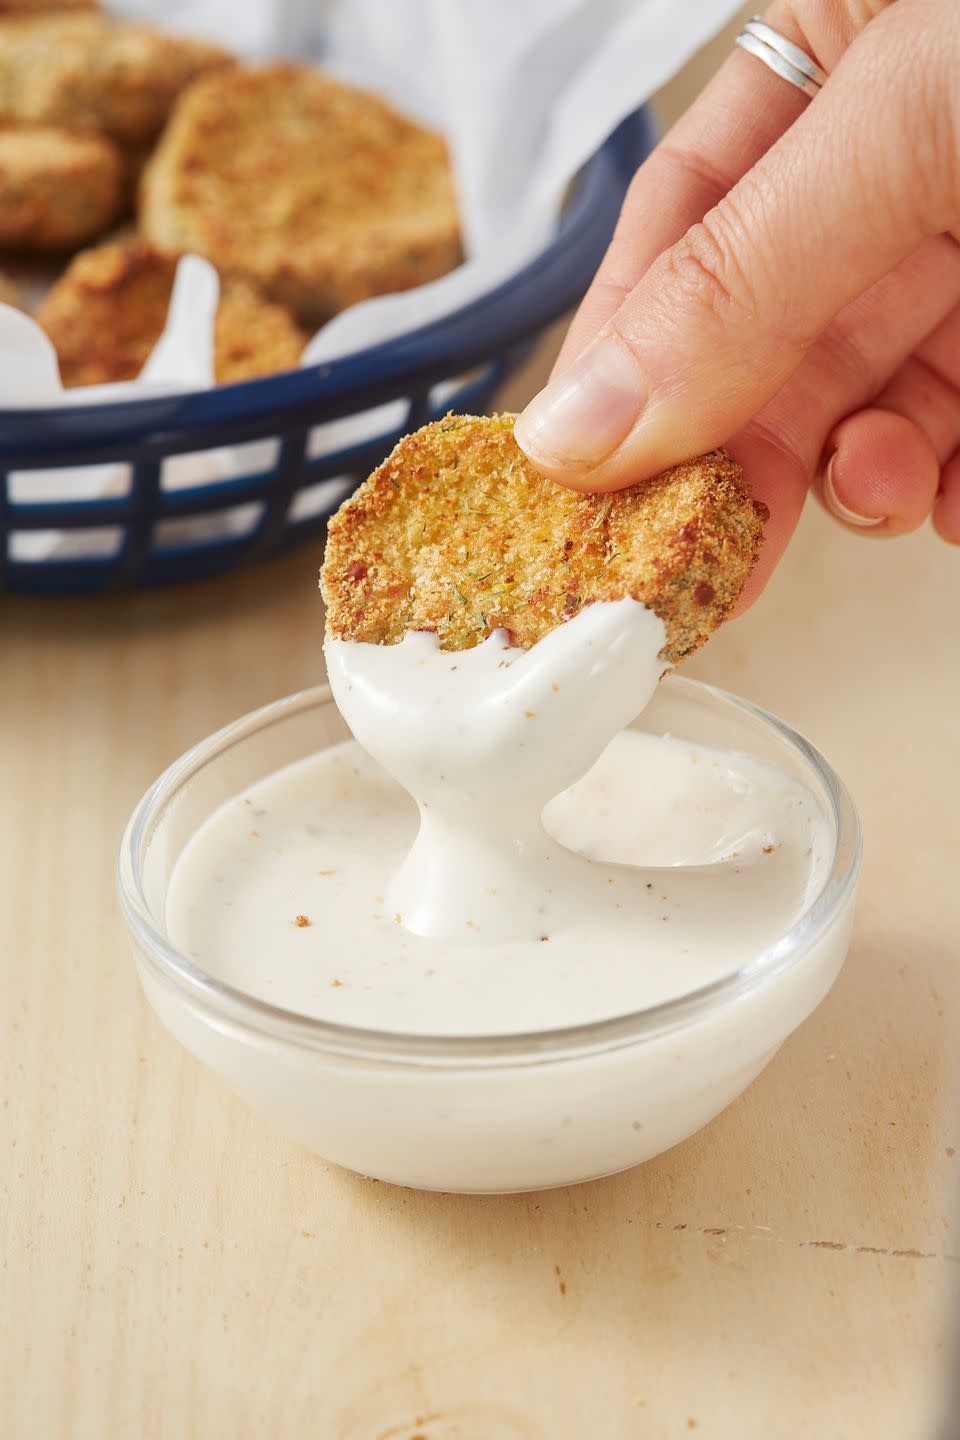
<point x="173" y="1270"/>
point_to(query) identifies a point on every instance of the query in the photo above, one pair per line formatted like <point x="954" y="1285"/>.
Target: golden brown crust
<point x="87" y="72"/>
<point x="108" y="309"/>
<point x="320" y="193"/>
<point x="254" y="336"/>
<point x="457" y="533"/>
<point x="57" y="189"/>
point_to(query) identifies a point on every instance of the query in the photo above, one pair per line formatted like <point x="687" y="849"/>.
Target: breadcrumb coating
<point x="88" y="72"/>
<point x="457" y="533"/>
<point x="320" y="193"/>
<point x="107" y="311"/>
<point x="57" y="189"/>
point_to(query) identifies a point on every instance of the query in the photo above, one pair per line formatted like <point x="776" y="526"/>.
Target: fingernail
<point x="836" y="506"/>
<point x="581" y="417"/>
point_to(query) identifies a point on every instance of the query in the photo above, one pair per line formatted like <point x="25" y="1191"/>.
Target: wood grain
<point x="172" y="1268"/>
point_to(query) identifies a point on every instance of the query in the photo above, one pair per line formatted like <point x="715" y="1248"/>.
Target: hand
<point x="785" y="279"/>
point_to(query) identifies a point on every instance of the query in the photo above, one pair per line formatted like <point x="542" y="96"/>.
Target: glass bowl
<point x="486" y="1113"/>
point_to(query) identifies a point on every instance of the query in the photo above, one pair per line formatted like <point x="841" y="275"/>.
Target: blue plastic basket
<point x="137" y="538"/>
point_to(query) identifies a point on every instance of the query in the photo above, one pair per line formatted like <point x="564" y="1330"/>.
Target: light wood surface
<point x="172" y="1268"/>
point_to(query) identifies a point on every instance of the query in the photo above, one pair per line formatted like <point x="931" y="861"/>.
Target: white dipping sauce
<point x="659" y="865"/>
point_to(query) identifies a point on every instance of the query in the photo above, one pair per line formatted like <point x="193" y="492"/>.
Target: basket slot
<point x="319" y="500"/>
<point x="375" y="427"/>
<point x="72" y="485"/>
<point x="227" y="525"/>
<point x="195" y="469"/>
<point x="91" y="544"/>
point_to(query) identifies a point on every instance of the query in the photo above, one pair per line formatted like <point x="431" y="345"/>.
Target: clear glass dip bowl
<point x="483" y="1113"/>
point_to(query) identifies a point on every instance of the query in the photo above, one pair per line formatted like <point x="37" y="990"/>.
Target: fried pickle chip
<point x="457" y="533"/>
<point x="57" y="188"/>
<point x="88" y="72"/>
<point x="107" y="311"/>
<point x="320" y="193"/>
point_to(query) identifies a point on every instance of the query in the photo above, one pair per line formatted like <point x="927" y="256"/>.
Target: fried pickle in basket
<point x="107" y="311"/>
<point x="57" y="189"/>
<point x="321" y="194"/>
<point x="457" y="533"/>
<point x="88" y="72"/>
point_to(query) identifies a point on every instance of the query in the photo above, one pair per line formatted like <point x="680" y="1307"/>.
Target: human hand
<point x="785" y="279"/>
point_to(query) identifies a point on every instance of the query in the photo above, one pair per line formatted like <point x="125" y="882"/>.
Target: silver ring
<point x="782" y="56"/>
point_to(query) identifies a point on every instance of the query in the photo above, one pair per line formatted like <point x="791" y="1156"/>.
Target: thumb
<point x="722" y="319"/>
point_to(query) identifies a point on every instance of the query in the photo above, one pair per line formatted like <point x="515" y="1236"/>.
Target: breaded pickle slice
<point x="108" y="309"/>
<point x="457" y="533"/>
<point x="322" y="194"/>
<point x="57" y="188"/>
